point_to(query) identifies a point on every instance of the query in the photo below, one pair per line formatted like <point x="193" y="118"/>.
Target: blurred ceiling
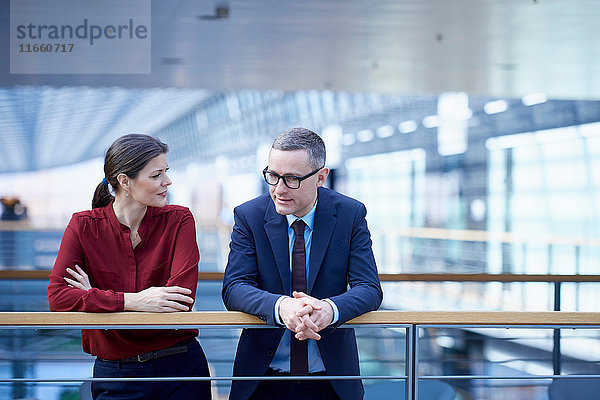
<point x="489" y="48"/>
<point x="501" y="48"/>
<point x="44" y="127"/>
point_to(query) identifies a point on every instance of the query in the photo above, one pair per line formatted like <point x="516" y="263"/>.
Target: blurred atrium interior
<point x="469" y="129"/>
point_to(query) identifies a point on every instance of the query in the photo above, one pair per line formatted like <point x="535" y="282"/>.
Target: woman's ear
<point x="123" y="182"/>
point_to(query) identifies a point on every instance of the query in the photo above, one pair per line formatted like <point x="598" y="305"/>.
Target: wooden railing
<point x="232" y="318"/>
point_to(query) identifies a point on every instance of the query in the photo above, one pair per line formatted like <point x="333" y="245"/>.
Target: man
<point x="309" y="283"/>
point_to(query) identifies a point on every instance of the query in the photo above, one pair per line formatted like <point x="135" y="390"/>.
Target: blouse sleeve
<point x="184" y="267"/>
<point x="61" y="296"/>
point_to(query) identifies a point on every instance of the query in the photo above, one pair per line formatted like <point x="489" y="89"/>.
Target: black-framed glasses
<point x="291" y="181"/>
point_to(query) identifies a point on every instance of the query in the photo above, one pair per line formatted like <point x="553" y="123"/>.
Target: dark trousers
<point x="191" y="363"/>
<point x="293" y="390"/>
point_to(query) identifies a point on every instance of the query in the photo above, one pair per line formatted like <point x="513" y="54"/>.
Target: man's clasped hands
<point x="305" y="315"/>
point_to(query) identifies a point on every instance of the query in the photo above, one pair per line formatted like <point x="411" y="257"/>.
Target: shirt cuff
<point x="277" y="319"/>
<point x="336" y="313"/>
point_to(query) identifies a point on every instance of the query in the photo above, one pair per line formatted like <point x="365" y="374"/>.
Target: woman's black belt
<point x="151" y="355"/>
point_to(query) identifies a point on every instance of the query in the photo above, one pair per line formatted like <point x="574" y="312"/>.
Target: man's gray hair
<point x="303" y="139"/>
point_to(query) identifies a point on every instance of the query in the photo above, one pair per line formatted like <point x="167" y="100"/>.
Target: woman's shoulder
<point x="171" y="211"/>
<point x="95" y="213"/>
<point x="94" y="219"/>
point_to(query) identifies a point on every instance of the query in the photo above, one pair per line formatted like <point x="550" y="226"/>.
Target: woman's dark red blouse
<point x="97" y="242"/>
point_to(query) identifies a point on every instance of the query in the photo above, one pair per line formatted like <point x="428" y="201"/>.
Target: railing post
<point x="412" y="355"/>
<point x="577" y="269"/>
<point x="556" y="353"/>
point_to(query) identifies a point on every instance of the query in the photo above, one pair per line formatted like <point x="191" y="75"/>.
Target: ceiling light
<point x="431" y="121"/>
<point x="407" y="126"/>
<point x="365" y="135"/>
<point x="385" y="131"/>
<point x="495" y="107"/>
<point x="534" y="98"/>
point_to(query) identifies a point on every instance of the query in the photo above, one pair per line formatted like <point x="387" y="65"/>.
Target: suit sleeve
<point x="240" y="282"/>
<point x="61" y="296"/>
<point x="365" y="292"/>
<point x="184" y="267"/>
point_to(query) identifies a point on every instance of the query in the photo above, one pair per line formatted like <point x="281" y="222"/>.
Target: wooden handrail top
<point x="407" y="277"/>
<point x="232" y="318"/>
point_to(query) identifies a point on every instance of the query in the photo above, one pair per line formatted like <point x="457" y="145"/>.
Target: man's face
<point x="294" y="201"/>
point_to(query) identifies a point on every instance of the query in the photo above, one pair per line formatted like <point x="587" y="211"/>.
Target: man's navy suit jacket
<point x="341" y="268"/>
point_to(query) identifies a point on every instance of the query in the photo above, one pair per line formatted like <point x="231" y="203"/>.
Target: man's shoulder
<point x="338" y="199"/>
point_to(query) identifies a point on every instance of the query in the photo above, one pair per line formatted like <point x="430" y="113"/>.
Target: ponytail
<point x="102" y="196"/>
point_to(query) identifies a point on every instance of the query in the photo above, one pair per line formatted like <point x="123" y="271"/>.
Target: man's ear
<point x="322" y="176"/>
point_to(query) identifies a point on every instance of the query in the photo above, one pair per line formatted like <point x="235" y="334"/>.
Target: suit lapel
<point x="324" y="225"/>
<point x="276" y="229"/>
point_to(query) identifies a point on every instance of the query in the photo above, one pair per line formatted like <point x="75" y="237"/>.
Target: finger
<point x="307" y="309"/>
<point x="177" y="289"/>
<point x="174" y="308"/>
<point x="308" y="327"/>
<point x="307" y="299"/>
<point x="304" y="324"/>
<point x="179" y="306"/>
<point x="315" y="303"/>
<point x="291" y="322"/>
<point x="310" y="324"/>
<point x="73" y="273"/>
<point x="80" y="279"/>
<point x="302" y="336"/>
<point x="320" y="325"/>
<point x="174" y="305"/>
<point x="179" y="297"/>
<point x="80" y="270"/>
<point x="300" y="328"/>
<point x="307" y="334"/>
<point x="324" y="315"/>
<point x="74" y="283"/>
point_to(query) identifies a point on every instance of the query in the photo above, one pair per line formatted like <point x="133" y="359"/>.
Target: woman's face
<point x="150" y="186"/>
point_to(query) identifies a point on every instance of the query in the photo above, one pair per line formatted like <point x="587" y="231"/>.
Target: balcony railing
<point x="457" y="250"/>
<point x="411" y="321"/>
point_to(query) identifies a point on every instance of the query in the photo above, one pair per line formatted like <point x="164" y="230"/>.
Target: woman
<point x="133" y="252"/>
